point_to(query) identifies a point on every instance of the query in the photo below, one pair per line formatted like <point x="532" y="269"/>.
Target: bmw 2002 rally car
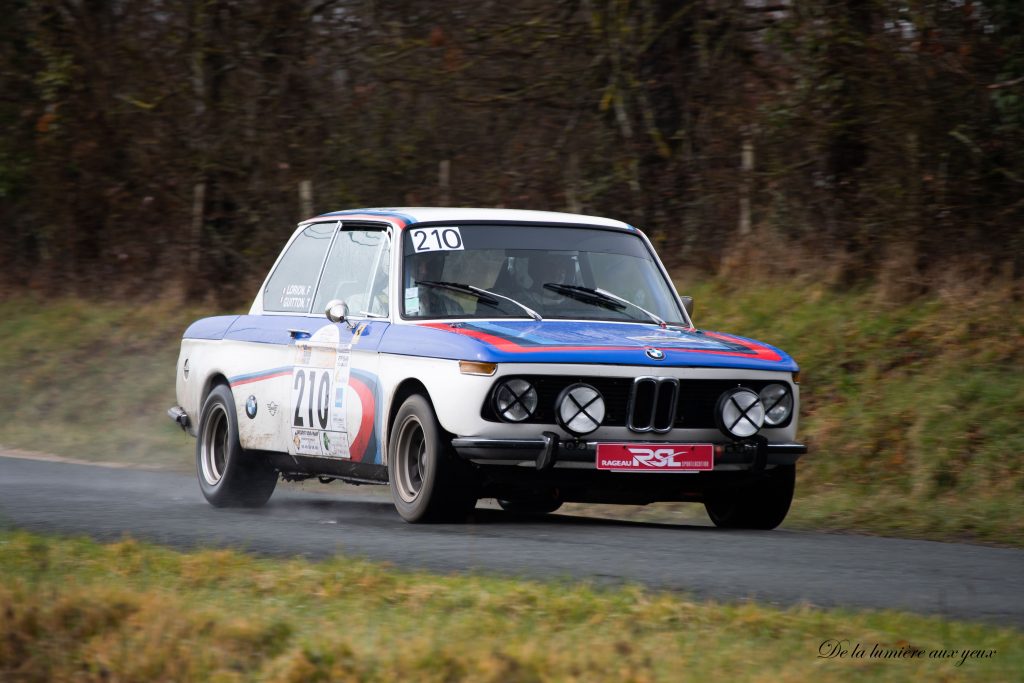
<point x="458" y="354"/>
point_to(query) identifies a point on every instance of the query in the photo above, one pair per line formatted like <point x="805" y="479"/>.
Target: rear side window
<point x="290" y="289"/>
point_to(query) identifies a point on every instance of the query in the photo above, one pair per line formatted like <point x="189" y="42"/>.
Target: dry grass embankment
<point x="75" y="610"/>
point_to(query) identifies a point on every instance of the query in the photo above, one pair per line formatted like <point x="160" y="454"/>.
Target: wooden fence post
<point x="194" y="243"/>
<point x="444" y="181"/>
<point x="746" y="181"/>
<point x="306" y="198"/>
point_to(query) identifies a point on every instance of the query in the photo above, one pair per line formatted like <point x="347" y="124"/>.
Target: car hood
<point x="563" y="341"/>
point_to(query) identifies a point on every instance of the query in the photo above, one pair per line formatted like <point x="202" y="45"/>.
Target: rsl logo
<point x="656" y="457"/>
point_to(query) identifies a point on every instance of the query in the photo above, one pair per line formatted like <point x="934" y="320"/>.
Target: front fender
<point x="456" y="397"/>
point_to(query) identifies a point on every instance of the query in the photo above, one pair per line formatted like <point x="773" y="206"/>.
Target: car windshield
<point x="508" y="271"/>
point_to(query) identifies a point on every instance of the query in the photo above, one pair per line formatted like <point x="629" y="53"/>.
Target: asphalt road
<point x="780" y="567"/>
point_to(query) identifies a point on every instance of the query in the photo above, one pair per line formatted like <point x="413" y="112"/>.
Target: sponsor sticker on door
<point x="665" y="458"/>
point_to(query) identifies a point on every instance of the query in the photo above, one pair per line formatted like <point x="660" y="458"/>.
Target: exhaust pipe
<point x="179" y="416"/>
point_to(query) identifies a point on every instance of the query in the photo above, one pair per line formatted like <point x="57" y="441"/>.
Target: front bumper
<point x="550" y="451"/>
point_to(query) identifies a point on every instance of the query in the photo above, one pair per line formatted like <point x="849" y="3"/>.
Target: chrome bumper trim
<point x="521" y="451"/>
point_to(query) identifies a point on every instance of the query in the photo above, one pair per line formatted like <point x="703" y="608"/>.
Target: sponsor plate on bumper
<point x="660" y="457"/>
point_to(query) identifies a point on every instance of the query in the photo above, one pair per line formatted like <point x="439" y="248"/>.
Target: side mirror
<point x="688" y="305"/>
<point x="337" y="311"/>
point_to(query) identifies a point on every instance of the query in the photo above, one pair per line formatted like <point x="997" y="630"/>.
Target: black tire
<point x="428" y="483"/>
<point x="530" y="506"/>
<point x="761" y="504"/>
<point x="228" y="475"/>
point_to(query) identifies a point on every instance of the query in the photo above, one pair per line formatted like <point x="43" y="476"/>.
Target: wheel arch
<point x="215" y="379"/>
<point x="404" y="390"/>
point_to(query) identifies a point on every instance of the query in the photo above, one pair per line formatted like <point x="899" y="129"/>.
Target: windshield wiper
<point x="483" y="295"/>
<point x="586" y="295"/>
<point x="600" y="297"/>
<point x="638" y="307"/>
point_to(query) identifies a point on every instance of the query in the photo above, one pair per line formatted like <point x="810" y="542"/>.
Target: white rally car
<point x="459" y="354"/>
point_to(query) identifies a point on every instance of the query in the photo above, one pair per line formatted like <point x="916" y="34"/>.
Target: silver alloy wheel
<point x="411" y="459"/>
<point x="213" y="456"/>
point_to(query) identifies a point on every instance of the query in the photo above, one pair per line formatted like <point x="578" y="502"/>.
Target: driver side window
<point x="357" y="272"/>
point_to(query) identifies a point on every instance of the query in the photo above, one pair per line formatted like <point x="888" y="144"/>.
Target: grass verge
<point x="912" y="411"/>
<point x="92" y="379"/>
<point x="73" y="609"/>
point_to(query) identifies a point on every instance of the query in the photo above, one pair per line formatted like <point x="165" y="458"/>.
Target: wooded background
<point x="154" y="143"/>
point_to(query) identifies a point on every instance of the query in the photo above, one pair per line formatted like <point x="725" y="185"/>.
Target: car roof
<point x="403" y="216"/>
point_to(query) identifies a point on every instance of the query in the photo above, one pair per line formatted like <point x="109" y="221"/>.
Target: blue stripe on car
<point x="372" y="212"/>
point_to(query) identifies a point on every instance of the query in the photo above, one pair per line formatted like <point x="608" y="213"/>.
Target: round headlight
<point x="580" y="409"/>
<point x="778" y="404"/>
<point x="740" y="413"/>
<point x="515" y="400"/>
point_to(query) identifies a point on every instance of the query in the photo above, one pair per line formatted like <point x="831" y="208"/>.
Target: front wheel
<point x="228" y="475"/>
<point x="427" y="482"/>
<point x="761" y="504"/>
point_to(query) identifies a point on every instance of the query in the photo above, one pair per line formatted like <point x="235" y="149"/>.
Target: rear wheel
<point x="762" y="504"/>
<point x="428" y="482"/>
<point x="228" y="475"/>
